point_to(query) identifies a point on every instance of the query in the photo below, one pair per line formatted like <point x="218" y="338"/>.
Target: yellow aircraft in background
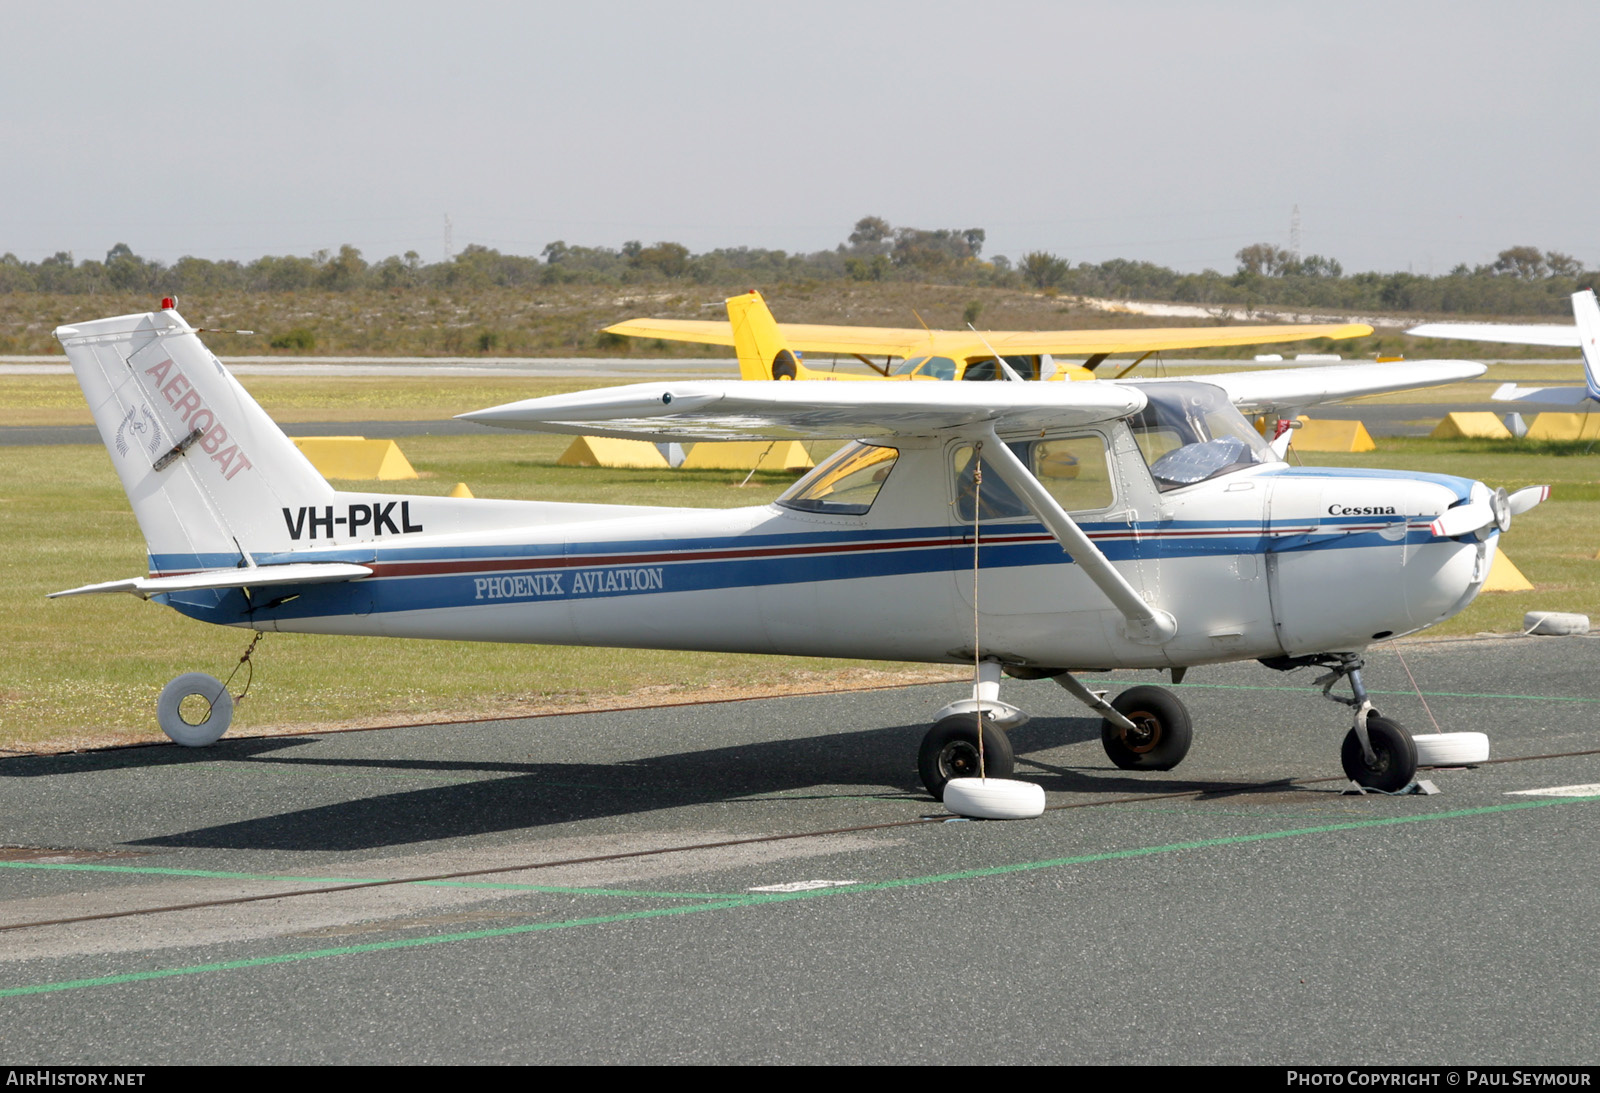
<point x="769" y="352"/>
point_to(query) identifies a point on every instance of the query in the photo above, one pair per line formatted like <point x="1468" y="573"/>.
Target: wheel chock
<point x="1421" y="787"/>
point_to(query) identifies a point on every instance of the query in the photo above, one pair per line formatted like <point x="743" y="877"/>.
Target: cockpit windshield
<point x="1190" y="432"/>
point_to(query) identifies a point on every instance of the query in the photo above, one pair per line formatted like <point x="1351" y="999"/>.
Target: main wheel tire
<point x="218" y="707"/>
<point x="1162" y="734"/>
<point x="1394" y="756"/>
<point x="950" y="750"/>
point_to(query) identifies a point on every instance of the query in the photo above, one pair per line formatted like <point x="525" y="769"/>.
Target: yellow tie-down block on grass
<point x="742" y="455"/>
<point x="1561" y="426"/>
<point x="1478" y="424"/>
<point x="606" y="451"/>
<point x="1505" y="577"/>
<point x="1331" y="436"/>
<point x="355" y="457"/>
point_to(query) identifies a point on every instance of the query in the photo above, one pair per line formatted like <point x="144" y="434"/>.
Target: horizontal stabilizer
<point x="1555" y="396"/>
<point x="1266" y="392"/>
<point x="1507" y="333"/>
<point x="778" y="410"/>
<point x="249" y="576"/>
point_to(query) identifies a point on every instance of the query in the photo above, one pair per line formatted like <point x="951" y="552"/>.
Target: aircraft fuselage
<point x="1263" y="561"/>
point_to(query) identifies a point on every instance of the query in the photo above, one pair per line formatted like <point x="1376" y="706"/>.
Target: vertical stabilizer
<point x="758" y="342"/>
<point x="1586" y="312"/>
<point x="208" y="473"/>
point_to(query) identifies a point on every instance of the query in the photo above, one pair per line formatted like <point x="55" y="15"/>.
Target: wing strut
<point x="1145" y="624"/>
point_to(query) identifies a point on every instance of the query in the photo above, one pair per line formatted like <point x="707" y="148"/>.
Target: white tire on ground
<point x="1555" y="622"/>
<point x="994" y="798"/>
<point x="169" y="710"/>
<point x="1451" y="749"/>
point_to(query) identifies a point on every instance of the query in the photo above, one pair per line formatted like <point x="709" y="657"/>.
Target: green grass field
<point x="86" y="671"/>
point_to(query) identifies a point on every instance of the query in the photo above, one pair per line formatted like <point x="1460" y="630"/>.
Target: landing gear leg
<point x="1377" y="753"/>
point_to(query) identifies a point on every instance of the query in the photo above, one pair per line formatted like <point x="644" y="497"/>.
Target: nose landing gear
<point x="1377" y="753"/>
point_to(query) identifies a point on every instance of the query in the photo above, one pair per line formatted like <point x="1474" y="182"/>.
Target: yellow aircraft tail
<point x="758" y="341"/>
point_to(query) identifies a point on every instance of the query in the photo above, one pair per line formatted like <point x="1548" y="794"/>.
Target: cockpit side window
<point x="1073" y="469"/>
<point x="1190" y="432"/>
<point x="928" y="368"/>
<point x="845" y="484"/>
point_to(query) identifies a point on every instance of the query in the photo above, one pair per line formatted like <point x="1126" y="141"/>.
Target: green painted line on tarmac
<point x="759" y="898"/>
<point x="212" y="874"/>
<point x="1400" y="694"/>
<point x="353" y="950"/>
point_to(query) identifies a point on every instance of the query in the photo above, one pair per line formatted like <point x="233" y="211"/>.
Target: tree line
<point x="1522" y="280"/>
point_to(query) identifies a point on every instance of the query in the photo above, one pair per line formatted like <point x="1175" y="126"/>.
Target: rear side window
<point x="1073" y="470"/>
<point x="847" y="483"/>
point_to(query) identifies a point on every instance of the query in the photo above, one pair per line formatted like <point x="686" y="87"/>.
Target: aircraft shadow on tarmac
<point x="499" y="796"/>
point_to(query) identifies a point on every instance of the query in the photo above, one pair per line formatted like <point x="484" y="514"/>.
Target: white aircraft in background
<point x="1087" y="526"/>
<point x="1585" y="336"/>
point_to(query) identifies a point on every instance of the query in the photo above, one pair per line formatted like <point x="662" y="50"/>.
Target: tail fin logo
<point x="183" y="398"/>
<point x="145" y="427"/>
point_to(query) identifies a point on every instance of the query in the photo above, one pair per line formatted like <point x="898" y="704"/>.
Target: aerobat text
<point x="181" y="395"/>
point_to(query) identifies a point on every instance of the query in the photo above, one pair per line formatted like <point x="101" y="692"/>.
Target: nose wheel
<point x="1392" y="762"/>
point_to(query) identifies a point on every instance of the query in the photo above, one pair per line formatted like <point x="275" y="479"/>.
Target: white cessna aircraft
<point x="1584" y="335"/>
<point x="1027" y="528"/>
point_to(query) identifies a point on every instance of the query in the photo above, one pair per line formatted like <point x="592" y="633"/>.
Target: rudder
<point x="1586" y="312"/>
<point x="208" y="473"/>
<point x="758" y="341"/>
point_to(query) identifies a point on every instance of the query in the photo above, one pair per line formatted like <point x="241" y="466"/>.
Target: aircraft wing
<point x="1510" y="333"/>
<point x="250" y="576"/>
<point x="901" y="342"/>
<point x="777" y="410"/>
<point x="1267" y="391"/>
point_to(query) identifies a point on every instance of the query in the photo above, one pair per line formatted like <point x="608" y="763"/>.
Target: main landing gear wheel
<point x="194" y="710"/>
<point x="1162" y="730"/>
<point x="1394" y="761"/>
<point x="950" y="750"/>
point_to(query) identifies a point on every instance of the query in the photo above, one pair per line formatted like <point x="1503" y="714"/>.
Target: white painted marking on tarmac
<point x="802" y="885"/>
<point x="1588" y="789"/>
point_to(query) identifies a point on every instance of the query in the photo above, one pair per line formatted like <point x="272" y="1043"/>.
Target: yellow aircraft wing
<point x="874" y="341"/>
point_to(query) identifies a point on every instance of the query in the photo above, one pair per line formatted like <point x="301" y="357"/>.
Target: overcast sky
<point x="1410" y="135"/>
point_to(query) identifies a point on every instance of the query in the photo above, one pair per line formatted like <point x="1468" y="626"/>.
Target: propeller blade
<point x="1463" y="520"/>
<point x="1524" y="499"/>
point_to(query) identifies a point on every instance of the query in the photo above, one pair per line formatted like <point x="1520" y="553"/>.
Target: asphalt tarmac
<point x="765" y="881"/>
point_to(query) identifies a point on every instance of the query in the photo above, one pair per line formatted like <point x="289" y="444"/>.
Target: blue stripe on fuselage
<point x="637" y="567"/>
